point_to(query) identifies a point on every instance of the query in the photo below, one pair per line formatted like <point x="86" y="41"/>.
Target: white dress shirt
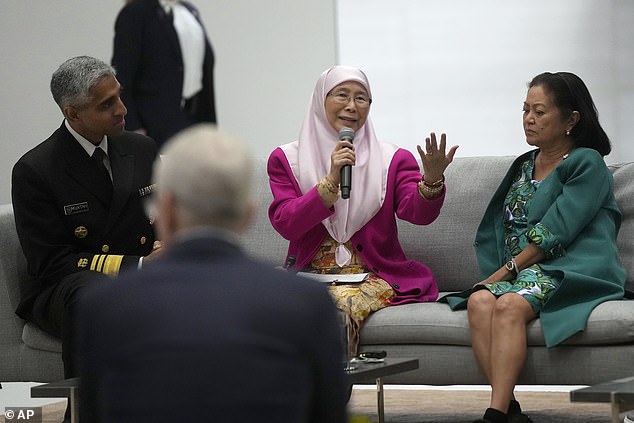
<point x="191" y="38"/>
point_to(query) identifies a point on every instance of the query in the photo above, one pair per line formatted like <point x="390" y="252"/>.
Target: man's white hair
<point x="209" y="174"/>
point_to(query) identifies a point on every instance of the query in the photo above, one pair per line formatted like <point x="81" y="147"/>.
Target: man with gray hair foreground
<point x="205" y="333"/>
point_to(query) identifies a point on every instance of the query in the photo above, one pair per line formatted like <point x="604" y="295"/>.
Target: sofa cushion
<point x="624" y="193"/>
<point x="446" y="245"/>
<point x="434" y="323"/>
<point x="12" y="271"/>
<point x="36" y="338"/>
<point x="12" y="260"/>
<point x="261" y="240"/>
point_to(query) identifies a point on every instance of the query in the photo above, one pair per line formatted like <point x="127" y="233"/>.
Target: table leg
<point x="379" y="400"/>
<point x="615" y="412"/>
<point x="618" y="406"/>
<point x="73" y="403"/>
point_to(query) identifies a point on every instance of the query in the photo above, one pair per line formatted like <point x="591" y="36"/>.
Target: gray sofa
<point x="427" y="331"/>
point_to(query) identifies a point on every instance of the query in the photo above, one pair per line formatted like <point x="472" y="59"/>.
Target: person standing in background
<point x="164" y="62"/>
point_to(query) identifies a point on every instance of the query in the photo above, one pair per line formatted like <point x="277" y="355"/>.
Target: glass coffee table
<point x="619" y="393"/>
<point x="360" y="372"/>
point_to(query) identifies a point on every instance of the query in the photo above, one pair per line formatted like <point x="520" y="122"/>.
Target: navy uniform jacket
<point x="149" y="64"/>
<point x="206" y="334"/>
<point x="63" y="223"/>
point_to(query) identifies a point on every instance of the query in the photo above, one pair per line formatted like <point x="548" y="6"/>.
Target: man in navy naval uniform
<point x="78" y="199"/>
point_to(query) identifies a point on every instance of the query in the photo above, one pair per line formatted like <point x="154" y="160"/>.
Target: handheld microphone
<point x="346" y="134"/>
<point x="290" y="262"/>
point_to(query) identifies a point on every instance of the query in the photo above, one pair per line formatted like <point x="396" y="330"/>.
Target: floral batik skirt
<point x="356" y="300"/>
<point x="531" y="283"/>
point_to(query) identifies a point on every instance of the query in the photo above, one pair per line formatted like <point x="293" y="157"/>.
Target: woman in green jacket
<point x="546" y="245"/>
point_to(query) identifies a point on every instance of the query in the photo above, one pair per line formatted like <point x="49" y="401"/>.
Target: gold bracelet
<point x="330" y="186"/>
<point x="434" y="184"/>
<point x="328" y="192"/>
<point x="429" y="193"/>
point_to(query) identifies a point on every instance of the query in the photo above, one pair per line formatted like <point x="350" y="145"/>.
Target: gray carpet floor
<point x="439" y="406"/>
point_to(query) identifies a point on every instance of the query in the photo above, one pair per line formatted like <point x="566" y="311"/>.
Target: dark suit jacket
<point x="207" y="334"/>
<point x="63" y="224"/>
<point x="149" y="64"/>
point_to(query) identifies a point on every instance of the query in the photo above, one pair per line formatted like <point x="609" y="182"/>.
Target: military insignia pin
<point x="81" y="232"/>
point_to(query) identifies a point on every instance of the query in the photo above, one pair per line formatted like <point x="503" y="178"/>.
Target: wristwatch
<point x="511" y="267"/>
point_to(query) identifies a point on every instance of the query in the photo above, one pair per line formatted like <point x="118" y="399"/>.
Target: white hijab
<point x="309" y="158"/>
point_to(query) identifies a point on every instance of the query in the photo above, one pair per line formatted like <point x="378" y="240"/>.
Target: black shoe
<point x="519" y="418"/>
<point x="491" y="415"/>
<point x="514" y="408"/>
<point x="515" y="414"/>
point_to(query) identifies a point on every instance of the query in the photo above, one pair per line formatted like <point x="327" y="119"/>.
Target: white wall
<point x="268" y="57"/>
<point x="462" y="66"/>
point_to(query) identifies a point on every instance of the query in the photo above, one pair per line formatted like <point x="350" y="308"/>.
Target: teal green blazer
<point x="576" y="203"/>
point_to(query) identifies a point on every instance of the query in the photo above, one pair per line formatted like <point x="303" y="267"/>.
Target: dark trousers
<point x="54" y="311"/>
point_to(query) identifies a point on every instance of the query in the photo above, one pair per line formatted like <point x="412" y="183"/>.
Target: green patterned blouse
<point x="516" y="233"/>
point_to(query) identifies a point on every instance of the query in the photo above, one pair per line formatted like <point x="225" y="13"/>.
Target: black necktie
<point x="102" y="175"/>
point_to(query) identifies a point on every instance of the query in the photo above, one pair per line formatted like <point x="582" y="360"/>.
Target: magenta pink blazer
<point x="298" y="218"/>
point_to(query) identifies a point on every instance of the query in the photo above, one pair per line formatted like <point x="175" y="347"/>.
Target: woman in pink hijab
<point x="331" y="235"/>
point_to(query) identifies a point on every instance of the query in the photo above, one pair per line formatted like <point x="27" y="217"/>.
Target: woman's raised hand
<point x="434" y="158"/>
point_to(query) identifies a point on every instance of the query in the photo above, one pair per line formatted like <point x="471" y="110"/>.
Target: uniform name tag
<point x="146" y="190"/>
<point x="76" y="208"/>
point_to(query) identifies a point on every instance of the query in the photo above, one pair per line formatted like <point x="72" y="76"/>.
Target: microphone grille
<point x="346" y="133"/>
